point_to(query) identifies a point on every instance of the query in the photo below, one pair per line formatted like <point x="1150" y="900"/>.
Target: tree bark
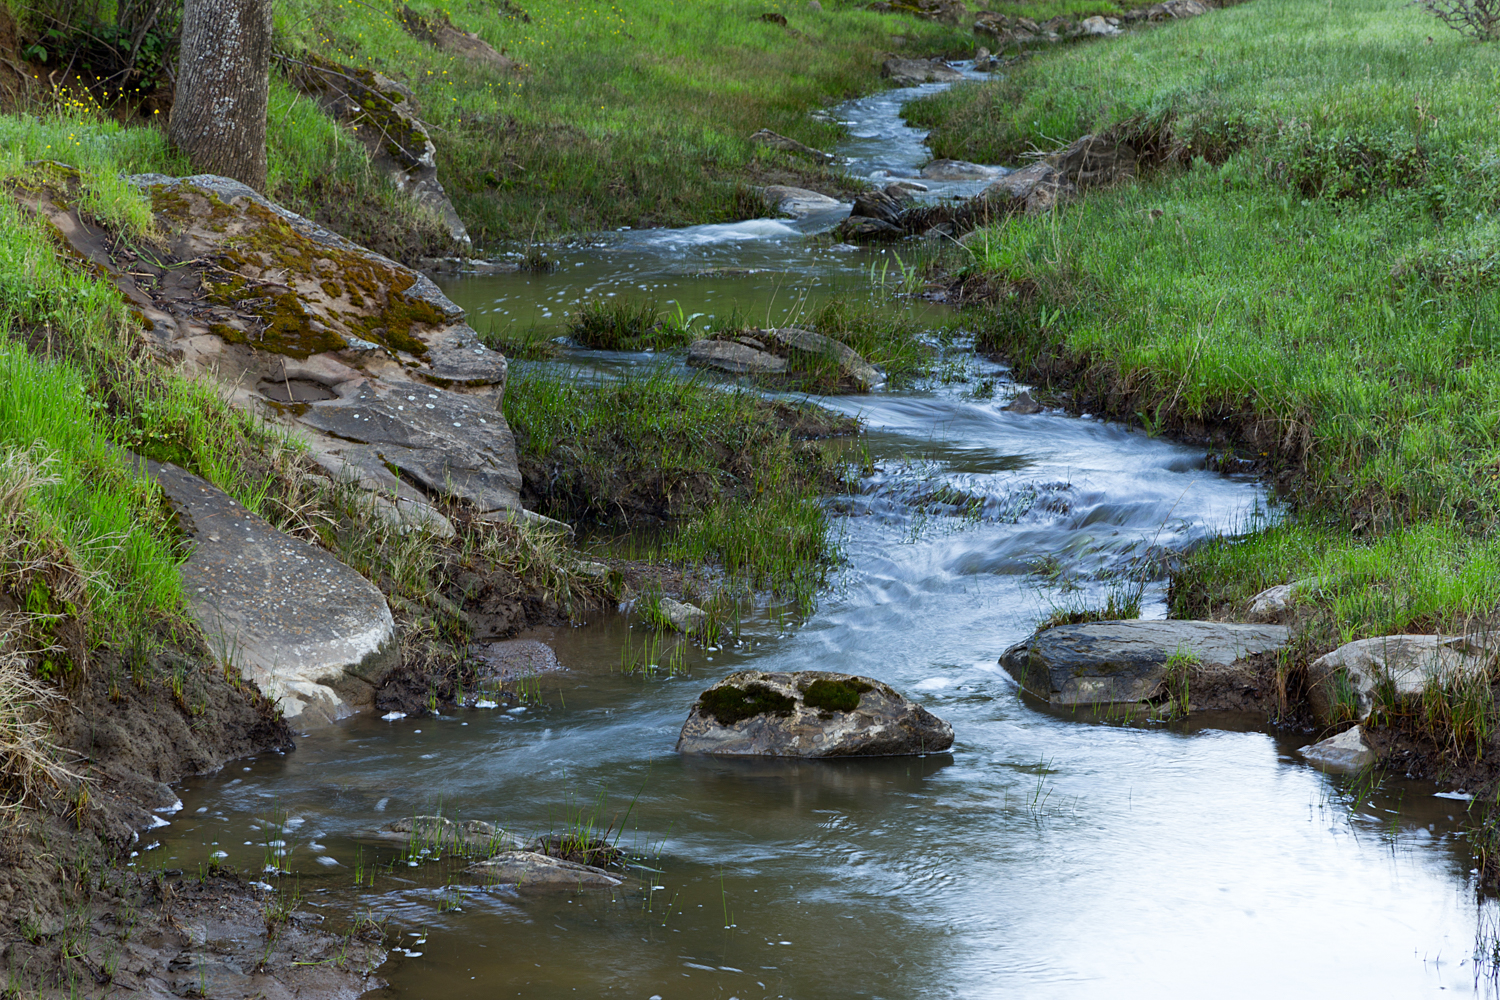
<point x="223" y="79"/>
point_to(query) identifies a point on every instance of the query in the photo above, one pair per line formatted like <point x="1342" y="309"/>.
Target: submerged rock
<point x="444" y="834"/>
<point x="862" y="229"/>
<point x="1343" y="684"/>
<point x="1347" y="751"/>
<point x="315" y="636"/>
<point x="810" y="713"/>
<point x="915" y="71"/>
<point x="528" y="869"/>
<point x="1123" y="662"/>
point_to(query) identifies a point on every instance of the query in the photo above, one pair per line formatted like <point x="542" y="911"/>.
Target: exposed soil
<point x="80" y="910"/>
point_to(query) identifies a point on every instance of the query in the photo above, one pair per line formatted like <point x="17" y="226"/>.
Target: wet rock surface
<point x="852" y="367"/>
<point x="1343" y="684"/>
<point x="1119" y="662"/>
<point x="810" y="713"/>
<point x="510" y="659"/>
<point x="684" y="617"/>
<point x="315" y="636"/>
<point x="530" y="870"/>
<point x="1347" y="751"/>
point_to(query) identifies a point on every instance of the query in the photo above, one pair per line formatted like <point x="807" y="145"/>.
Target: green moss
<point x="729" y="704"/>
<point x="834" y="696"/>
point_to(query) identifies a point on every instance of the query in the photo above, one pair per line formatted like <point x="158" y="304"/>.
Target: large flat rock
<point x="809" y="713"/>
<point x="1116" y="662"/>
<point x="312" y="634"/>
<point x="530" y="870"/>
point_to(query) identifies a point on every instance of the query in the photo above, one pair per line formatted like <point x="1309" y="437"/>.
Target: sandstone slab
<point x="809" y="713"/>
<point x="1122" y="662"/>
<point x="313" y="635"/>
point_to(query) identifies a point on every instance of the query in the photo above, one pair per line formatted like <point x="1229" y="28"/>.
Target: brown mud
<point x="83" y="911"/>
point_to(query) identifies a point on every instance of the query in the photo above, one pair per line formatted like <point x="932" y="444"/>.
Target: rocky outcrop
<point x="1134" y="662"/>
<point x="362" y="357"/>
<point x="1347" y="751"/>
<point x="810" y="713"/>
<point x="1346" y="683"/>
<point x="382" y="113"/>
<point x="910" y="72"/>
<point x="442" y="34"/>
<point x="765" y="137"/>
<point x="313" y="635"/>
<point x="530" y="870"/>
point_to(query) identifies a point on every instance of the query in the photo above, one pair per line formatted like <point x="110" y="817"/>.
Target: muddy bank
<point x="82" y="906"/>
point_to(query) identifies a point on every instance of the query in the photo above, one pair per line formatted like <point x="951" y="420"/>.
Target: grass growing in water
<point x="714" y="465"/>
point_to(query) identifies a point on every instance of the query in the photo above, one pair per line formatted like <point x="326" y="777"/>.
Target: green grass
<point x="1307" y="272"/>
<point x="712" y="466"/>
<point x="626" y="113"/>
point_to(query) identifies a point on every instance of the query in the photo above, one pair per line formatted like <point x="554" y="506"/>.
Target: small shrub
<point x="1477" y="18"/>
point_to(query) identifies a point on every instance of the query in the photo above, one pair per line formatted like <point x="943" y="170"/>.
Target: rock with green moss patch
<point x="809" y="713"/>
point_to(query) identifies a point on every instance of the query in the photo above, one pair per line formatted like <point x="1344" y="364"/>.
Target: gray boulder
<point x="810" y="713"/>
<point x="1097" y="25"/>
<point x="1023" y="403"/>
<point x="530" y="870"/>
<point x="684" y="617"/>
<point x="852" y="367"/>
<point x="1123" y="662"/>
<point x="914" y="71"/>
<point x="509" y="659"/>
<point x="738" y="359"/>
<point x="1347" y="751"/>
<point x="1343" y="684"/>
<point x="797" y="202"/>
<point x="312" y="634"/>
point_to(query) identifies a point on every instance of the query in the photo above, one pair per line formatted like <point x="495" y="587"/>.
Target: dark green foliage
<point x="834" y="696"/>
<point x="622" y="325"/>
<point x="729" y="704"/>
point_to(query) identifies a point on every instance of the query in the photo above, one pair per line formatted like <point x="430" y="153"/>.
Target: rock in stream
<point x="809" y="713"/>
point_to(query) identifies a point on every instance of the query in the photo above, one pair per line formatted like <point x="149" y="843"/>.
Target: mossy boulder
<point x="809" y="713"/>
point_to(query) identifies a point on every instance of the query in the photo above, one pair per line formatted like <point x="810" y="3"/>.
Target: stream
<point x="1046" y="855"/>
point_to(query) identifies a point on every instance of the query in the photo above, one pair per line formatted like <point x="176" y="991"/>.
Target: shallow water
<point x="1045" y="856"/>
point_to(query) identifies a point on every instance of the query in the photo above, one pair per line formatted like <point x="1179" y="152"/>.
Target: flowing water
<point x="1045" y="856"/>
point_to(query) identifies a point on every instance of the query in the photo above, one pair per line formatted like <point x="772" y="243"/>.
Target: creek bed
<point x="1045" y="856"/>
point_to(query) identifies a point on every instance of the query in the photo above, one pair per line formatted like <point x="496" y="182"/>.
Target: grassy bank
<point x="1303" y="271"/>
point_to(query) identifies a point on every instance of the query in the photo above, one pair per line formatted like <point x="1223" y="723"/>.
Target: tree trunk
<point x="223" y="79"/>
